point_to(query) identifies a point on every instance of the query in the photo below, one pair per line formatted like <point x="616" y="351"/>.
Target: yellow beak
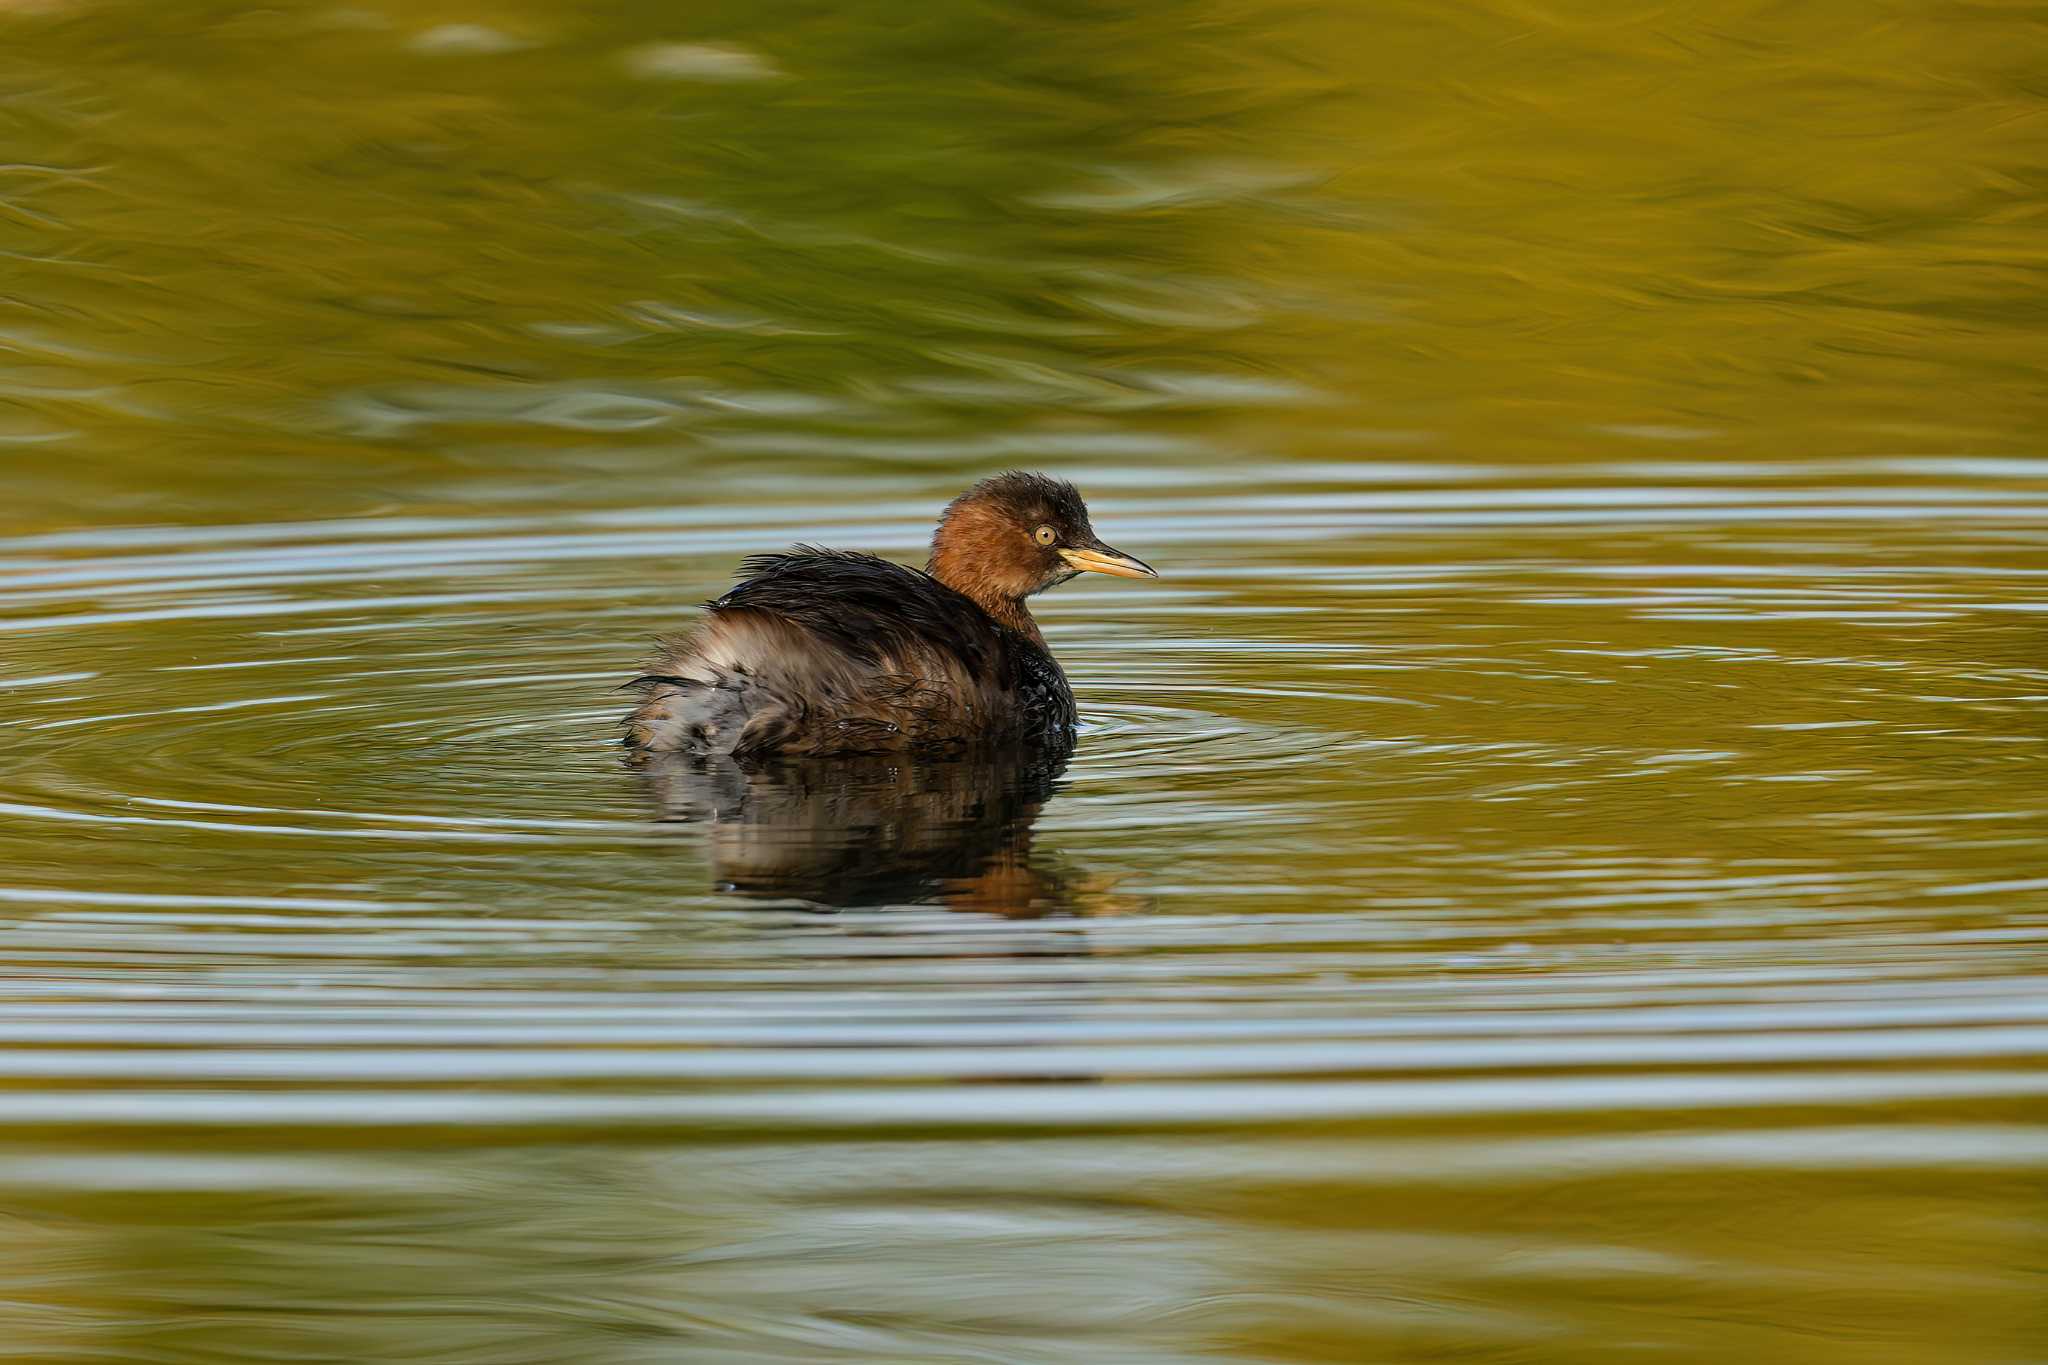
<point x="1101" y="559"/>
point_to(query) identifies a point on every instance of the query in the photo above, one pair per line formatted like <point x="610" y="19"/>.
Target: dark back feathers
<point x="867" y="606"/>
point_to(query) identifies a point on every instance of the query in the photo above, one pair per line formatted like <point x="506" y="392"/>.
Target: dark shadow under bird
<point x="816" y="652"/>
<point x="876" y="830"/>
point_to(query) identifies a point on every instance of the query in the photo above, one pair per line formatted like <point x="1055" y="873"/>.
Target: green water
<point x="1552" y="871"/>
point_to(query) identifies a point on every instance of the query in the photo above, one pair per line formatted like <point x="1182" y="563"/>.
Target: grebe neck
<point x="1004" y="608"/>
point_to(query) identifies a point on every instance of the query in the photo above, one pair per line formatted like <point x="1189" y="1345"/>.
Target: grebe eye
<point x="1045" y="535"/>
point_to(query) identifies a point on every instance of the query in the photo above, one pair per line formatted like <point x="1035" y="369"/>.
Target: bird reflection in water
<point x="883" y="830"/>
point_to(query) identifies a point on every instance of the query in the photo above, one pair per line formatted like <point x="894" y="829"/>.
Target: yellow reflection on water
<point x="1551" y="874"/>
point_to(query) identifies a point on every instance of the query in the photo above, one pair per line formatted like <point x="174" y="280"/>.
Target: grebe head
<point x="1016" y="534"/>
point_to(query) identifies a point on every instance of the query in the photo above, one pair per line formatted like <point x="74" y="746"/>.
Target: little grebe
<point x="830" y="652"/>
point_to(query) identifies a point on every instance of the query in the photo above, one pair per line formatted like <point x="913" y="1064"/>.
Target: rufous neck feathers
<point x="966" y="558"/>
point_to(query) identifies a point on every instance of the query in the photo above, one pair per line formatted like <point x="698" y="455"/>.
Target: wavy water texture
<point x="1550" y="873"/>
<point x="1413" y="852"/>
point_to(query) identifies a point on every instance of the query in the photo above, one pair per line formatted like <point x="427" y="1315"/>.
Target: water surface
<point x="1550" y="873"/>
